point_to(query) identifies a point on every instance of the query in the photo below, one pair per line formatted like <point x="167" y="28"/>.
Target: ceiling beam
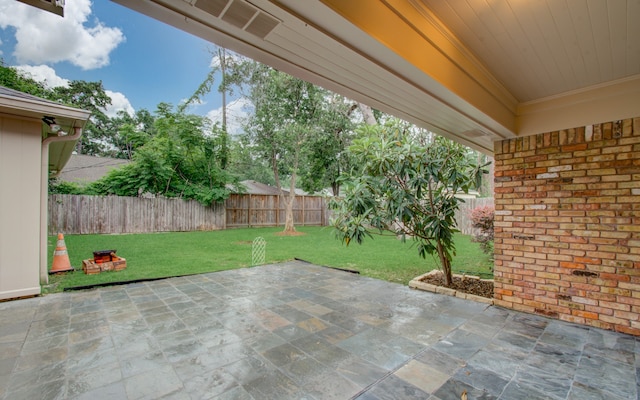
<point x="450" y="71"/>
<point x="602" y="103"/>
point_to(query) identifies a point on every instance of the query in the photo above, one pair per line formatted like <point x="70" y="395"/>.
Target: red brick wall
<point x="567" y="225"/>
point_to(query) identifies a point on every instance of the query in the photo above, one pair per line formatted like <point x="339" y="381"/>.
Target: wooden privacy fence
<point x="269" y="210"/>
<point x="462" y="216"/>
<point x="114" y="214"/>
<point x="78" y="214"/>
<point x="74" y="214"/>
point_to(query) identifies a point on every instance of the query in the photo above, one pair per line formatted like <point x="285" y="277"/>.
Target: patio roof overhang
<point x="61" y="121"/>
<point x="475" y="71"/>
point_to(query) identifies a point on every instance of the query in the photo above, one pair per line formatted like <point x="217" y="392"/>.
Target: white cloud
<point x="119" y="102"/>
<point x="43" y="37"/>
<point x="237" y="112"/>
<point x="230" y="56"/>
<point x="44" y="74"/>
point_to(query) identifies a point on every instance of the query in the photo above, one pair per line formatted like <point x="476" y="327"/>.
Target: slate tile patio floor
<point x="299" y="331"/>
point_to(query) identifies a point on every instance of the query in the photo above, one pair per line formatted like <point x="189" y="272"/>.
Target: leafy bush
<point x="405" y="184"/>
<point x="482" y="219"/>
<point x="179" y="161"/>
<point x="57" y="186"/>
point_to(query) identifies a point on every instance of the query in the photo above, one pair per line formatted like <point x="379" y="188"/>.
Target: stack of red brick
<point x="104" y="261"/>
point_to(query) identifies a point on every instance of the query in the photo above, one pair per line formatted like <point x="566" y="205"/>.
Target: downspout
<point x="44" y="192"/>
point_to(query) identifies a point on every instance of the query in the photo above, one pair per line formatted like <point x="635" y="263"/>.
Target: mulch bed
<point x="467" y="285"/>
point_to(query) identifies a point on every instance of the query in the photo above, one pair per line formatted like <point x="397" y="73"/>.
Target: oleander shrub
<point x="482" y="219"/>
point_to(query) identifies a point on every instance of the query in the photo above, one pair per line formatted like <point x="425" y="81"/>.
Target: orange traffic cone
<point x="61" y="261"/>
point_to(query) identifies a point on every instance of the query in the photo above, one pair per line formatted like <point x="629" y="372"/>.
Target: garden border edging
<point x="417" y="283"/>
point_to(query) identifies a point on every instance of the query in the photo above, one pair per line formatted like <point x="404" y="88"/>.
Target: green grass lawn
<point x="181" y="253"/>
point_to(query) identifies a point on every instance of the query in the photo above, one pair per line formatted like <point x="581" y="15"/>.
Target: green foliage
<point x="98" y="136"/>
<point x="286" y="115"/>
<point x="298" y="128"/>
<point x="405" y="184"/>
<point x="179" y="161"/>
<point x="12" y="79"/>
<point x="129" y="133"/>
<point x="57" y="186"/>
<point x="285" y="112"/>
<point x="245" y="163"/>
<point x="482" y="219"/>
<point x="325" y="152"/>
<point x="89" y="96"/>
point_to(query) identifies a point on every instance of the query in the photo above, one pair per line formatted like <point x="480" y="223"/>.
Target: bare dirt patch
<point x="296" y="233"/>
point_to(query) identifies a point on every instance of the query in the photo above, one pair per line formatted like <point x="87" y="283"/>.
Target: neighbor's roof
<point x="26" y="105"/>
<point x="254" y="187"/>
<point x="84" y="169"/>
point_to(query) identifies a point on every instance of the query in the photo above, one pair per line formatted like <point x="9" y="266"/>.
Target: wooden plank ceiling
<point x="544" y="48"/>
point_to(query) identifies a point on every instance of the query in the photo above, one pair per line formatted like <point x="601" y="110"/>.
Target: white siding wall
<point x="20" y="152"/>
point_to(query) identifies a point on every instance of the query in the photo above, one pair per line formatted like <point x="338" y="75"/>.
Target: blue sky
<point x="140" y="61"/>
<point x="154" y="63"/>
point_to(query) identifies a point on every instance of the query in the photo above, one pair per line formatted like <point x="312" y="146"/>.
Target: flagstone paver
<point x="299" y="331"/>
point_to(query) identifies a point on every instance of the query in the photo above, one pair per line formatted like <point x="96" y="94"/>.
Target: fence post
<point x="224" y="215"/>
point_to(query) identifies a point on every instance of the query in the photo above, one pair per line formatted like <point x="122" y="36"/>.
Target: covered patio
<point x="299" y="331"/>
<point x="551" y="88"/>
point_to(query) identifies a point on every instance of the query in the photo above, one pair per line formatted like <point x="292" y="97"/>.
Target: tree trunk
<point x="367" y="114"/>
<point x="224" y="148"/>
<point x="446" y="264"/>
<point x="335" y="188"/>
<point x="223" y="70"/>
<point x="289" y="226"/>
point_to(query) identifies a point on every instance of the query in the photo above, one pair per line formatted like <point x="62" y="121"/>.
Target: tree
<point x="230" y="68"/>
<point x="406" y="185"/>
<point x="286" y="112"/>
<point x="180" y="160"/>
<point x="129" y="133"/>
<point x="13" y="79"/>
<point x="89" y="96"/>
<point x="246" y="163"/>
<point x="326" y="156"/>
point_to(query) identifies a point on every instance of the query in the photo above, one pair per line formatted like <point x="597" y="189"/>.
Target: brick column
<point x="567" y="225"/>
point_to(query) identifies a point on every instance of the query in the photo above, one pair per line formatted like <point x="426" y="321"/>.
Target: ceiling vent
<point x="240" y="14"/>
<point x="213" y="7"/>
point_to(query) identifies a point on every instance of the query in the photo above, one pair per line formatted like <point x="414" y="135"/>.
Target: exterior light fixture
<point x="51" y="123"/>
